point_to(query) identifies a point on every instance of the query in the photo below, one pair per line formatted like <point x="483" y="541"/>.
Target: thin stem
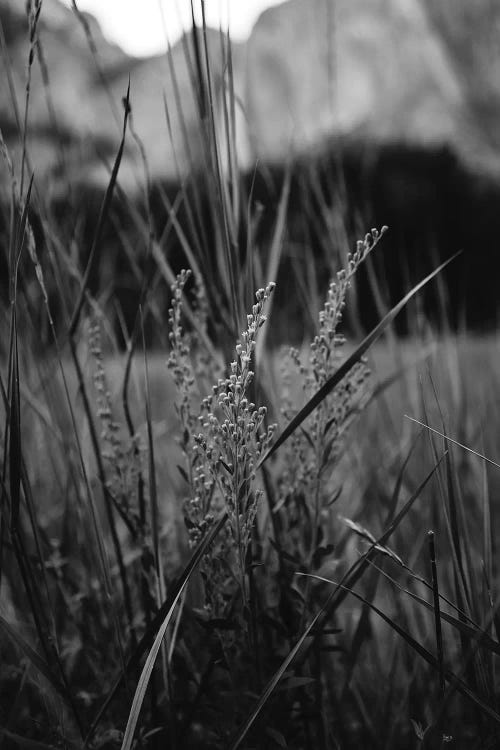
<point x="437" y="611"/>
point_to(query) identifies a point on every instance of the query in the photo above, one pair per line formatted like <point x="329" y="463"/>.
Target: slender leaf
<point x="164" y="613"/>
<point x="455" y="442"/>
<point x="15" y="458"/>
<point x="347" y="366"/>
<point x="150" y="661"/>
<point x="101" y="220"/>
<point x="419" y="649"/>
<point x="471" y="631"/>
<point x="351" y="576"/>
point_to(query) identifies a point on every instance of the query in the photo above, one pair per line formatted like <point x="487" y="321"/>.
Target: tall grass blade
<point x="174" y="597"/>
<point x="105" y="208"/>
<point x="150" y="636"/>
<point x="14" y="429"/>
<point x="153" y="494"/>
<point x="437" y="610"/>
<point x="419" y="649"/>
<point x="314" y="627"/>
<point x="275" y="256"/>
<point x="345" y="368"/>
<point x="455" y="442"/>
<point x="33" y="11"/>
<point x="17" y="240"/>
<point x="155" y="533"/>
<point x="87" y="30"/>
<point x="472" y="631"/>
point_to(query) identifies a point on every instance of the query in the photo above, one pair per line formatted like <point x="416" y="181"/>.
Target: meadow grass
<point x="222" y="544"/>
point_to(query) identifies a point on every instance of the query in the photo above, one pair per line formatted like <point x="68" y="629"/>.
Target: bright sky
<point x="138" y="26"/>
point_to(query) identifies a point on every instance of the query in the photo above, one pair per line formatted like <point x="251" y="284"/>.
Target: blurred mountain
<point x="373" y="69"/>
<point x="470" y="34"/>
<point x="62" y="112"/>
<point x="78" y="81"/>
<point x="378" y="71"/>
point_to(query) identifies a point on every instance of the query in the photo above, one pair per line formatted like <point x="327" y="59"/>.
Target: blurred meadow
<point x="249" y="383"/>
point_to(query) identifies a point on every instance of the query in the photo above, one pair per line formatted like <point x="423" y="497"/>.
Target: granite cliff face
<point x="370" y="100"/>
<point x="373" y="69"/>
<point x="312" y="70"/>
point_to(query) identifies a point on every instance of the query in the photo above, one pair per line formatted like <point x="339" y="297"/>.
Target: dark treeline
<point x="433" y="205"/>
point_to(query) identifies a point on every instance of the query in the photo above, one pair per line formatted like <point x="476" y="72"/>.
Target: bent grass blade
<point x="172" y="600"/>
<point x="455" y="442"/>
<point x="350" y="577"/>
<point x="355" y="357"/>
<point x="454" y="680"/>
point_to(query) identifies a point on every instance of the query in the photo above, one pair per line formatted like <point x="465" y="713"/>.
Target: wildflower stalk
<point x="232" y="436"/>
<point x="313" y="454"/>
<point x="120" y="467"/>
<point x="235" y="437"/>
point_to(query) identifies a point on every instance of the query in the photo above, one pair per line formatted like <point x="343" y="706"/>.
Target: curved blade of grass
<point x="455" y="442"/>
<point x="17" y="241"/>
<point x="153" y="494"/>
<point x="357" y="570"/>
<point x="155" y="533"/>
<point x="101" y="220"/>
<point x="416" y="646"/>
<point x="394" y="500"/>
<point x="461" y="545"/>
<point x="464" y="618"/>
<point x="14" y="428"/>
<point x="436" y="609"/>
<point x="14" y="415"/>
<point x="345" y="368"/>
<point x="368" y="536"/>
<point x="96" y="57"/>
<point x="350" y="577"/>
<point x="220" y="202"/>
<point x="150" y="661"/>
<point x="275" y="256"/>
<point x="164" y="613"/>
<point x="471" y="631"/>
<point x="272" y="684"/>
<point x="146" y="673"/>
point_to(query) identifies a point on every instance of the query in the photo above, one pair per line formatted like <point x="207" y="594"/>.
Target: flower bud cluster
<point x="178" y="360"/>
<point x="233" y="434"/>
<point x="122" y="455"/>
<point x="328" y="342"/>
<point x="223" y="445"/>
<point x="312" y="453"/>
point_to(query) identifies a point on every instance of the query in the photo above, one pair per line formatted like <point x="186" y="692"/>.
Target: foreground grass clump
<point x="263" y="644"/>
<point x="244" y="547"/>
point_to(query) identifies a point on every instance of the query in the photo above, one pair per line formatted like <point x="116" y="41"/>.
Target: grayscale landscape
<point x="249" y="380"/>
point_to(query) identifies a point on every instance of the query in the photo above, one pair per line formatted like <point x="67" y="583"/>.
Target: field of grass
<point x="217" y="543"/>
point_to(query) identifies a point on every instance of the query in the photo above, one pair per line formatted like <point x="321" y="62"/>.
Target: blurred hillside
<point x="470" y="33"/>
<point x="78" y="81"/>
<point x="419" y="72"/>
<point x="385" y="110"/>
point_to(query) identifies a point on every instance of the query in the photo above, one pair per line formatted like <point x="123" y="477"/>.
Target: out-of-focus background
<point x="417" y="73"/>
<point x="393" y="105"/>
<point x="136" y="142"/>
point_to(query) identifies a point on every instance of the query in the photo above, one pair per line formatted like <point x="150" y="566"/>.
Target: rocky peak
<point x="374" y="70"/>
